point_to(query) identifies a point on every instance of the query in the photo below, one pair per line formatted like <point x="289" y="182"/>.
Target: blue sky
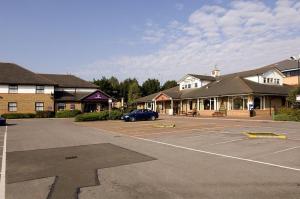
<point x="141" y="38"/>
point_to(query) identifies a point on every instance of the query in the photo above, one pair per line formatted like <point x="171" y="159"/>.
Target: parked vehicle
<point x="2" y="121"/>
<point x="141" y="114"/>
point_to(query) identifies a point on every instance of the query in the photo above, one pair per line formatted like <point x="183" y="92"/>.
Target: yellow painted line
<point x="264" y="135"/>
<point x="164" y="125"/>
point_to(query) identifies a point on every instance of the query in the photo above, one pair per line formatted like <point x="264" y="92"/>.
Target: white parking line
<point x="288" y="149"/>
<point x="229" y="141"/>
<point x="218" y="154"/>
<point x="3" y="167"/>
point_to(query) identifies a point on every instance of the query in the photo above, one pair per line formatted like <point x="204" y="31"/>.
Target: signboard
<point x="298" y="98"/>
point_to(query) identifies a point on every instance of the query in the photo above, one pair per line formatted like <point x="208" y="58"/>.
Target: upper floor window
<point x="185" y="86"/>
<point x="196" y="85"/>
<point x="12" y="106"/>
<point x="189" y="85"/>
<point x="265" y="80"/>
<point x="40" y="89"/>
<point x="13" y="89"/>
<point x="277" y="81"/>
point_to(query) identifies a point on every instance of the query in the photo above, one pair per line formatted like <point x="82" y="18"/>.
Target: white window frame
<point x="40" y="89"/>
<point x="12" y="88"/>
<point x="39" y="107"/>
<point x="12" y="108"/>
<point x="58" y="106"/>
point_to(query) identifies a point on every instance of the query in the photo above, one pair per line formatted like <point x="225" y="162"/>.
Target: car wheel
<point x="132" y="119"/>
<point x="152" y="118"/>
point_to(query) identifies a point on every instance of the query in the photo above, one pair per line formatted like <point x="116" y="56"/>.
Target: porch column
<point x="197" y="105"/>
<point x="154" y="107"/>
<point x="215" y="103"/>
<point x="180" y="107"/>
<point x="171" y="111"/>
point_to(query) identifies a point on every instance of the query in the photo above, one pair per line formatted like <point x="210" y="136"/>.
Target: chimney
<point x="215" y="72"/>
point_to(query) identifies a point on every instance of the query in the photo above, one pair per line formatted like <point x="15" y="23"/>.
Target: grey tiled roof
<point x="69" y="81"/>
<point x="14" y="74"/>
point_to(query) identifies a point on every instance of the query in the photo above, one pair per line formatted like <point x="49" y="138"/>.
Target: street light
<point x="297" y="58"/>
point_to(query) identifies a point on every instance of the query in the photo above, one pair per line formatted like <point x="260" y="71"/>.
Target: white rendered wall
<point x="27" y="89"/>
<point x="84" y="90"/>
<point x="192" y="80"/>
<point x="270" y="74"/>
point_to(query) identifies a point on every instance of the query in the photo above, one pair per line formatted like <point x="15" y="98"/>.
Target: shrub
<point x="287" y="114"/>
<point x="67" y="113"/>
<point x="103" y="115"/>
<point x="92" y="116"/>
<point x="18" y="115"/>
<point x="44" y="114"/>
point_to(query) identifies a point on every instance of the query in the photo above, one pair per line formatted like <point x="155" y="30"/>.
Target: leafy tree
<point x="114" y="82"/>
<point x="292" y="97"/>
<point x="104" y="85"/>
<point x="124" y="87"/>
<point x="150" y="86"/>
<point x="169" y="84"/>
<point x="134" y="92"/>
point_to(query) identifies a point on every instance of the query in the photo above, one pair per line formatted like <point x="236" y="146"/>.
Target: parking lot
<point x="198" y="158"/>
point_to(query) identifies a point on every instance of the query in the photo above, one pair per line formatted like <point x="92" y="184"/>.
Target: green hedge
<point x="44" y="114"/>
<point x="288" y="114"/>
<point x="67" y="113"/>
<point x="103" y="115"/>
<point x="18" y="115"/>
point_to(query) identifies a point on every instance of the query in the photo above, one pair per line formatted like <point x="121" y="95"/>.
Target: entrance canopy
<point x="162" y="97"/>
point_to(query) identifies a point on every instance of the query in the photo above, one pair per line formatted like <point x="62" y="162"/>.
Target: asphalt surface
<point x="216" y="162"/>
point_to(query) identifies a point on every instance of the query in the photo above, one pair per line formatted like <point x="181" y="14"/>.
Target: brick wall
<point x="25" y="102"/>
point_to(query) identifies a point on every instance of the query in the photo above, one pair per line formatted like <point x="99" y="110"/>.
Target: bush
<point x="44" y="114"/>
<point x="67" y="113"/>
<point x="103" y="115"/>
<point x="18" y="115"/>
<point x="287" y="114"/>
<point x="115" y="115"/>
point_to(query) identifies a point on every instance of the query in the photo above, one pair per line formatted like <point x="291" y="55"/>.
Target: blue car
<point x="141" y="114"/>
<point x="2" y="121"/>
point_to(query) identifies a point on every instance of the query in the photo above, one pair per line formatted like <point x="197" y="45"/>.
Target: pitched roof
<point x="173" y="92"/>
<point x="285" y="65"/>
<point x="62" y="96"/>
<point x="203" y="77"/>
<point x="69" y="81"/>
<point x="15" y="74"/>
<point x="236" y="86"/>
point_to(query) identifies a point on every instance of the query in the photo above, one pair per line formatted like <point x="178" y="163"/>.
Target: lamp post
<point x="297" y="58"/>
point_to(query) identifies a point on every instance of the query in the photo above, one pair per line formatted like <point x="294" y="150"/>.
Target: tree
<point x="169" y="84"/>
<point x="292" y="97"/>
<point x="134" y="92"/>
<point x="124" y="87"/>
<point x="104" y="85"/>
<point x="114" y="82"/>
<point x="150" y="86"/>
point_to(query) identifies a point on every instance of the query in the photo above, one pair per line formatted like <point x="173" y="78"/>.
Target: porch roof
<point x="61" y="96"/>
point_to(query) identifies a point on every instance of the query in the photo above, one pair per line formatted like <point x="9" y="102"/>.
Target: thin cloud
<point x="243" y="35"/>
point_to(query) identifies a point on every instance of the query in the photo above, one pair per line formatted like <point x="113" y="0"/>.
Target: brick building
<point x="23" y="91"/>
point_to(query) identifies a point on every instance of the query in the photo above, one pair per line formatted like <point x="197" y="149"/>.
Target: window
<point x="191" y="105"/>
<point x="13" y="89"/>
<point x="277" y="81"/>
<point x="237" y="103"/>
<point x="196" y="85"/>
<point x="72" y="106"/>
<point x="12" y="106"/>
<point x="61" y="106"/>
<point x="189" y="85"/>
<point x="39" y="106"/>
<point x="206" y="104"/>
<point x="185" y="86"/>
<point x="40" y="89"/>
<point x="265" y="80"/>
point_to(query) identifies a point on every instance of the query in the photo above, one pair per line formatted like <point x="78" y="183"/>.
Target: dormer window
<point x="196" y="85"/>
<point x="265" y="80"/>
<point x="189" y="85"/>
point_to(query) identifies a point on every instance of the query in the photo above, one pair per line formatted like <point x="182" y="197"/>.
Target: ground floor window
<point x="61" y="106"/>
<point x="39" y="106"/>
<point x="237" y="103"/>
<point x="12" y="106"/>
<point x="209" y="104"/>
<point x="72" y="106"/>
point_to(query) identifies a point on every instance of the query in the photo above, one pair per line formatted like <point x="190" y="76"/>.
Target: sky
<point x="163" y="39"/>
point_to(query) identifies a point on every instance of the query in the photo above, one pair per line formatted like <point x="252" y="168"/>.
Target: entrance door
<point x="90" y="107"/>
<point x="257" y="103"/>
